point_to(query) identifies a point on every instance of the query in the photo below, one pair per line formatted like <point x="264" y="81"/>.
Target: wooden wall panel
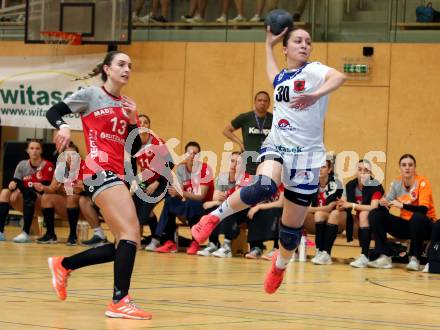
<point x="357" y="121"/>
<point x="414" y="110"/>
<point x="157" y="84"/>
<point x="379" y="62"/>
<point x="218" y="86"/>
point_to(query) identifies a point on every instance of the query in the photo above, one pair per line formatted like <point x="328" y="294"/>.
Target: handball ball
<point x="278" y="20"/>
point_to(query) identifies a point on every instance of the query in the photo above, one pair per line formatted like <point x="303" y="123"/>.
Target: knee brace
<point x="261" y="189"/>
<point x="290" y="237"/>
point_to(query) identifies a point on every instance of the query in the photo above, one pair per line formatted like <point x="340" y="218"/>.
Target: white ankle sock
<point x="227" y="243"/>
<point x="281" y="263"/>
<point x="99" y="232"/>
<point x="223" y="211"/>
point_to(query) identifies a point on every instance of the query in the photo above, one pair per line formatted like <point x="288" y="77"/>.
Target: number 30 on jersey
<point x="282" y="94"/>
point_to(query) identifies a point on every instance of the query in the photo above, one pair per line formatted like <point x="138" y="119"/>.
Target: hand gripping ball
<point x="278" y="20"/>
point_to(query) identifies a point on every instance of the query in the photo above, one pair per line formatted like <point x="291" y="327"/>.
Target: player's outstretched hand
<point x="303" y="101"/>
<point x="62" y="139"/>
<point x="272" y="39"/>
<point x="129" y="106"/>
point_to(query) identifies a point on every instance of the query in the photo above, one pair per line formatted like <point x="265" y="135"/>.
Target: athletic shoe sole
<point x="47" y="242"/>
<point x="54" y="282"/>
<point x="125" y="316"/>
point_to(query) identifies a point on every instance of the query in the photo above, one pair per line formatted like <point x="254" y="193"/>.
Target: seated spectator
<point x="361" y="195"/>
<point x="425" y="14"/>
<point x="62" y="195"/>
<point x="24" y="190"/>
<point x="263" y="225"/>
<point x="226" y="183"/>
<point x="329" y="192"/>
<point x="197" y="10"/>
<point x="196" y="187"/>
<point x="154" y="15"/>
<point x="153" y="181"/>
<point x="240" y="11"/>
<point x="411" y="195"/>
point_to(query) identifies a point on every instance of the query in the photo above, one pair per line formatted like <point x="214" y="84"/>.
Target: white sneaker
<point x="221" y="19"/>
<point x="2" y="237"/>
<point x="208" y="250"/>
<point x="255" y="19"/>
<point x="223" y="252"/>
<point x="195" y="19"/>
<point x="360" y="262"/>
<point x="22" y="238"/>
<point x="145" y="19"/>
<point x="383" y="262"/>
<point x="426" y="269"/>
<point x="316" y="256"/>
<point x="323" y="259"/>
<point x="154" y="244"/>
<point x="238" y="18"/>
<point x="413" y="264"/>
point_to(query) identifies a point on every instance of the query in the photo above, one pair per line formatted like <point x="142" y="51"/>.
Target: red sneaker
<point x="274" y="277"/>
<point x="126" y="309"/>
<point x="59" y="276"/>
<point x="168" y="247"/>
<point x="204" y="227"/>
<point x="193" y="248"/>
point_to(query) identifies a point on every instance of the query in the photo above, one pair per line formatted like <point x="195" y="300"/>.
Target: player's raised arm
<point x="271" y="64"/>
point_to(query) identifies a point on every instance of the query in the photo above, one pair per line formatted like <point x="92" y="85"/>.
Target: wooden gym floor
<point x="191" y="292"/>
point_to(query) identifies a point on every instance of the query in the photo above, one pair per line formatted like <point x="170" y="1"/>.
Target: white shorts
<point x="300" y="170"/>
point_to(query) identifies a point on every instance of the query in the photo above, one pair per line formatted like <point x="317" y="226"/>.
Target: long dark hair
<point x="99" y="69"/>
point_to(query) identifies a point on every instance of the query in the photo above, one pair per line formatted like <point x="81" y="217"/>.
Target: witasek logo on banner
<point x="29" y="86"/>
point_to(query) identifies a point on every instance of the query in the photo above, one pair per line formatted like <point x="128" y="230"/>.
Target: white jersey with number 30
<point x="296" y="131"/>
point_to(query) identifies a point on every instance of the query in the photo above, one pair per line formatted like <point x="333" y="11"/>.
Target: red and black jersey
<point x="191" y="182"/>
<point x="331" y="192"/>
<point x="29" y="174"/>
<point x="105" y="125"/>
<point x="152" y="159"/>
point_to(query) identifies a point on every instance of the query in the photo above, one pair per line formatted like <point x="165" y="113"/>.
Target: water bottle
<point x="82" y="230"/>
<point x="303" y="249"/>
<point x="40" y="225"/>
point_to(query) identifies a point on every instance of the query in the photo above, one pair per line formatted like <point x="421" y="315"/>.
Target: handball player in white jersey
<point x="294" y="150"/>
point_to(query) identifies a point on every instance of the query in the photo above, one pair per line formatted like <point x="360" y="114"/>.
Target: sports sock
<point x="4" y="210"/>
<point x="93" y="256"/>
<point x="49" y="220"/>
<point x="123" y="268"/>
<point x="223" y="211"/>
<point x="73" y="215"/>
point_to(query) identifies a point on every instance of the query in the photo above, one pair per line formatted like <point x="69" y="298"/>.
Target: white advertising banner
<point x="29" y="86"/>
